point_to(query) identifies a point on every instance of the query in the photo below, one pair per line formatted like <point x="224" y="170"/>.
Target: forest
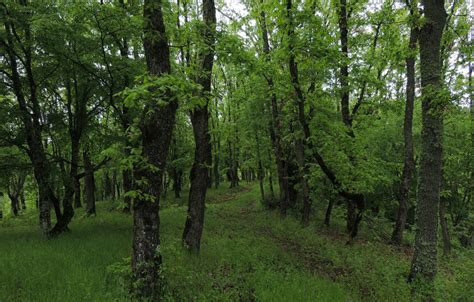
<point x="236" y="150"/>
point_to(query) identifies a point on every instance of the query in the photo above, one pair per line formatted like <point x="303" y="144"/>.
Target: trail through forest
<point x="247" y="254"/>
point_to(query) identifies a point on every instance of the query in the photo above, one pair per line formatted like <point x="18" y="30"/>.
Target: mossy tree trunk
<point x="424" y="263"/>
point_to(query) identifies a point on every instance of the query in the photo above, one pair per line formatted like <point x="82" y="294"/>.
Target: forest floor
<point x="247" y="254"/>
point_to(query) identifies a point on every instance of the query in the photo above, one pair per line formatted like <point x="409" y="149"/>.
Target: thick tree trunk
<point x="424" y="263"/>
<point x="156" y="128"/>
<point x="199" y="182"/>
<point x="200" y="120"/>
<point x="14" y="204"/>
<point x="409" y="161"/>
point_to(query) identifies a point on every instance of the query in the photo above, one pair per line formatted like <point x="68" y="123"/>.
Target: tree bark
<point x="200" y="120"/>
<point x="156" y="127"/>
<point x="409" y="161"/>
<point x="424" y="262"/>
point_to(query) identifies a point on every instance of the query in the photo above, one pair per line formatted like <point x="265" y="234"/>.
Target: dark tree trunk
<point x="89" y="184"/>
<point x="200" y="121"/>
<point x="409" y="161"/>
<point x="424" y="263"/>
<point x="327" y="215"/>
<point x="260" y="171"/>
<point x="14" y="204"/>
<point x="177" y="182"/>
<point x="355" y="201"/>
<point x="275" y="126"/>
<point x="344" y="81"/>
<point x="32" y="125"/>
<point x="114" y="185"/>
<point x="350" y="216"/>
<point x="344" y="76"/>
<point x="270" y="183"/>
<point x="156" y="129"/>
<point x="300" y="103"/>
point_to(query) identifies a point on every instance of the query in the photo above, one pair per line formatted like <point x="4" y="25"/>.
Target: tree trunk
<point x="275" y="126"/>
<point x="22" y="200"/>
<point x="300" y="103"/>
<point x="156" y="128"/>
<point x="350" y="216"/>
<point x="177" y="178"/>
<point x="409" y="161"/>
<point x="424" y="263"/>
<point x="200" y="121"/>
<point x="14" y="204"/>
<point x="327" y="215"/>
<point x="260" y="172"/>
<point x="89" y="184"/>
<point x="270" y="183"/>
<point x="32" y="125"/>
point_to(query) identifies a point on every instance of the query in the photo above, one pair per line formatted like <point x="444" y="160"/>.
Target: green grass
<point x="247" y="254"/>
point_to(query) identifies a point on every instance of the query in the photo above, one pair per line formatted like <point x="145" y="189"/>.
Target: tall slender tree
<point x="200" y="119"/>
<point x="409" y="160"/>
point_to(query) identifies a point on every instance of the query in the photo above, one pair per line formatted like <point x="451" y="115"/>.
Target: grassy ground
<point x="247" y="254"/>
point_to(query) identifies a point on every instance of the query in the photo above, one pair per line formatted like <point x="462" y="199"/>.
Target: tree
<point x="409" y="161"/>
<point x="424" y="262"/>
<point x="156" y="127"/>
<point x="200" y="180"/>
